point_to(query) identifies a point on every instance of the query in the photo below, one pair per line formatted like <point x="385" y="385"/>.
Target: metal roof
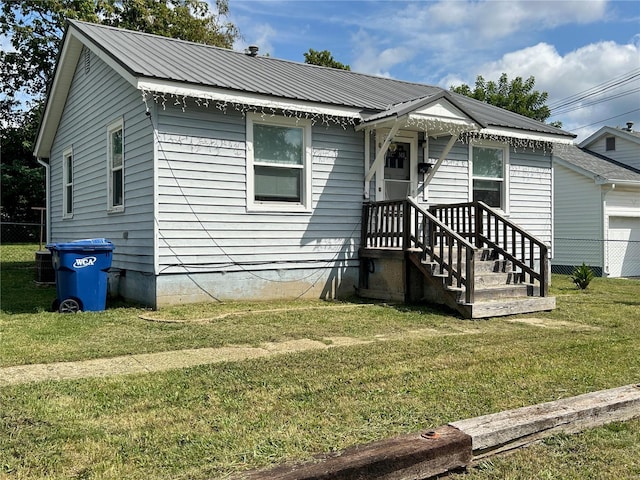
<point x="598" y="165"/>
<point x="167" y="59"/>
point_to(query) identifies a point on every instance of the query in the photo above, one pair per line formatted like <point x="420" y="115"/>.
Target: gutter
<point x="47" y="178"/>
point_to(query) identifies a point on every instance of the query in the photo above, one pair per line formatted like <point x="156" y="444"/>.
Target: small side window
<point x="67" y="181"/>
<point x="115" y="161"/>
<point x="611" y="144"/>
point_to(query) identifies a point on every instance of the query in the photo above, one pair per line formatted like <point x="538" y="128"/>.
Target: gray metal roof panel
<point x="599" y="165"/>
<point x="163" y="58"/>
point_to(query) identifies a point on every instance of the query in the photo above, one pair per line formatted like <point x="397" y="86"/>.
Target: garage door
<point x="624" y="247"/>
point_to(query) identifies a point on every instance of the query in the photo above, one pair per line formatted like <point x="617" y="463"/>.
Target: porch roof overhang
<point x="436" y="115"/>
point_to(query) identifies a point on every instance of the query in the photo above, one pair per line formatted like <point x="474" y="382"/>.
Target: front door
<point x="397" y="177"/>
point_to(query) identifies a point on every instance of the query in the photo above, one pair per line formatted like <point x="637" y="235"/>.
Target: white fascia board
<point x="537" y="136"/>
<point x="604" y="131"/>
<point x="258" y="100"/>
<point x="613" y="181"/>
<point x="105" y="57"/>
<point x="57" y="96"/>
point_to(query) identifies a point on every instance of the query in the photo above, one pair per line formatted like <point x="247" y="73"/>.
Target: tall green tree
<point x="517" y="95"/>
<point x="324" y="59"/>
<point x="35" y="29"/>
<point x="21" y="177"/>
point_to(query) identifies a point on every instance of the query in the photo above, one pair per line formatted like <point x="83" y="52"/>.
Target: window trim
<point x="305" y="204"/>
<point x="111" y="128"/>
<point x="67" y="155"/>
<point x="504" y="201"/>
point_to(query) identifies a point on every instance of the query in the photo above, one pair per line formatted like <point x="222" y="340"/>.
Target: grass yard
<point x="423" y="368"/>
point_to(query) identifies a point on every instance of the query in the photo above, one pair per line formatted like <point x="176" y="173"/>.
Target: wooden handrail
<point x="487" y="227"/>
<point x="449" y="236"/>
<point x="405" y="225"/>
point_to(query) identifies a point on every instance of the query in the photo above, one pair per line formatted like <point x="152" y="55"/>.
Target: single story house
<point x="227" y="175"/>
<point x="597" y="204"/>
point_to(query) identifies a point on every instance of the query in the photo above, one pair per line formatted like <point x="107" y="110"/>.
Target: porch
<point x="466" y="256"/>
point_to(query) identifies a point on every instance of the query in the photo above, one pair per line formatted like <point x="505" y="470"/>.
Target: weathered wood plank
<point x="507" y="430"/>
<point x="409" y="457"/>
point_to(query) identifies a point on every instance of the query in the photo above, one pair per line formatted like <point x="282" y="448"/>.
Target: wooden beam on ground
<point x="511" y="429"/>
<point x="416" y="456"/>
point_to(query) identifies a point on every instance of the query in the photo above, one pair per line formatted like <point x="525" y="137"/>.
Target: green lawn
<point x="218" y="420"/>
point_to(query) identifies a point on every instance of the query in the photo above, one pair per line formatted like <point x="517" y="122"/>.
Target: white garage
<point x="623" y="253"/>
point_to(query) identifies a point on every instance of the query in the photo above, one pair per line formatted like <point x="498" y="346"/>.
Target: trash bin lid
<point x="88" y="244"/>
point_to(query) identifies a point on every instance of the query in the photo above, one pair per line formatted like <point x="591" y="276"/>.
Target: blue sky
<point x="569" y="47"/>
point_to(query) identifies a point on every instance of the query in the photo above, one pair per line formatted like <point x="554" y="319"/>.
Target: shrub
<point x="582" y="276"/>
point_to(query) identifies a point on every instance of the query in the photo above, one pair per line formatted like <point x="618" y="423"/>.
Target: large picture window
<point x="278" y="154"/>
<point x="67" y="180"/>
<point x="115" y="180"/>
<point x="489" y="182"/>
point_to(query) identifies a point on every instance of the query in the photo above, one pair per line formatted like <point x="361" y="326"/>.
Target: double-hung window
<point x="278" y="162"/>
<point x="67" y="180"/>
<point x="489" y="181"/>
<point x="115" y="161"/>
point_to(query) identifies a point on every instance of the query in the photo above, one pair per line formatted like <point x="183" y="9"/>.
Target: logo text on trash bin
<point x="84" y="262"/>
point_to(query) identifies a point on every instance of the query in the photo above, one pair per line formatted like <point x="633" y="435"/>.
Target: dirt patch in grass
<point x="550" y="323"/>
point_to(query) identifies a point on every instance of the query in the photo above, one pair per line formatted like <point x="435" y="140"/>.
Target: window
<point x="67" y="181"/>
<point x="278" y="159"/>
<point x="489" y="184"/>
<point x="611" y="144"/>
<point x="115" y="152"/>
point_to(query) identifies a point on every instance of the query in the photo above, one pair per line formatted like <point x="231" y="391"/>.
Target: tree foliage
<point x="516" y="95"/>
<point x="21" y="177"/>
<point x="324" y="59"/>
<point x="35" y="29"/>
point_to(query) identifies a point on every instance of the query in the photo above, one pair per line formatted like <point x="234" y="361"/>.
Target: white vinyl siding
<point x="67" y="183"/>
<point x="626" y="150"/>
<point x="96" y="98"/>
<point x="578" y="219"/>
<point x="204" y="225"/>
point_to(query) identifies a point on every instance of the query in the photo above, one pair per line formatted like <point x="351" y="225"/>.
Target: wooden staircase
<point x="485" y="267"/>
<point x="498" y="289"/>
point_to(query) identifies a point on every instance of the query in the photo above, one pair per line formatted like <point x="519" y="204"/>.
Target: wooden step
<point x="510" y="306"/>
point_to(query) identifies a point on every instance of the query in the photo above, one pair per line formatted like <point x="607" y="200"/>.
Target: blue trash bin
<point x="81" y="274"/>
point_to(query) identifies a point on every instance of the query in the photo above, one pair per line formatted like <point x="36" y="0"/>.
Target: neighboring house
<point x="224" y="175"/>
<point x="597" y="204"/>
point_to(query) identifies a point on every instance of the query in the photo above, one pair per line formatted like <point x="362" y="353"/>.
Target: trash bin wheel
<point x="69" y="305"/>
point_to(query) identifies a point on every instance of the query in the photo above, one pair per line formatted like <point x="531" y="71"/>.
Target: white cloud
<point x="375" y="59"/>
<point x="575" y="72"/>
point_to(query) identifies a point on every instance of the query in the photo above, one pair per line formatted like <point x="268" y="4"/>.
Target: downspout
<point x="47" y="183"/>
<point x="605" y="229"/>
<point x="367" y="158"/>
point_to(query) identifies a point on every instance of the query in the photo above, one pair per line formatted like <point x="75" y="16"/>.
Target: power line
<point x="611" y="84"/>
<point x="607" y="119"/>
<point x="571" y="108"/>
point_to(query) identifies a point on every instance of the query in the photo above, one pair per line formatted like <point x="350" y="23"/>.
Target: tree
<point x="516" y="96"/>
<point x="35" y="28"/>
<point x="21" y="177"/>
<point x="324" y="59"/>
